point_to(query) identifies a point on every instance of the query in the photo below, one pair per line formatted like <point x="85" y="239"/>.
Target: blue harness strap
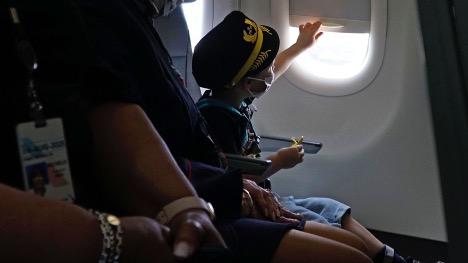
<point x="204" y="103"/>
<point x="209" y="102"/>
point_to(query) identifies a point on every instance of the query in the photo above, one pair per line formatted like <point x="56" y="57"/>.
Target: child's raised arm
<point x="308" y="35"/>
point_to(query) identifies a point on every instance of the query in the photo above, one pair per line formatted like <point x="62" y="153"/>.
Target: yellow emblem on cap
<point x="265" y="29"/>
<point x="260" y="59"/>
<point x="251" y="34"/>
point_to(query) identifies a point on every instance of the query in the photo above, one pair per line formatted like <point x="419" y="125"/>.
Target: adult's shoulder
<point x="108" y="11"/>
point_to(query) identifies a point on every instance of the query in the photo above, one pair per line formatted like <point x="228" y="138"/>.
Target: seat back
<point x="174" y="33"/>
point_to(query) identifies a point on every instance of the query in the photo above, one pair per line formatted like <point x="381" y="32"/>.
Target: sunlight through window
<point x="193" y="13"/>
<point x="335" y="55"/>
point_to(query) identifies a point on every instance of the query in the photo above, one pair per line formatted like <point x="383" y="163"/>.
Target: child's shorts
<point x="318" y="209"/>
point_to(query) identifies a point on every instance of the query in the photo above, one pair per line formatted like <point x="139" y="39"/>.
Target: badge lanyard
<point x="41" y="142"/>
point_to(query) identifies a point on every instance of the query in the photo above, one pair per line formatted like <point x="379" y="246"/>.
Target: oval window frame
<point x="336" y="86"/>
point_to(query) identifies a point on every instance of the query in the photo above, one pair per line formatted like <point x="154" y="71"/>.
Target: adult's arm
<point x="142" y="176"/>
<point x="35" y="229"/>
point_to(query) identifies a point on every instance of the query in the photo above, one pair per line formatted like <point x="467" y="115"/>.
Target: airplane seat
<point x="174" y="33"/>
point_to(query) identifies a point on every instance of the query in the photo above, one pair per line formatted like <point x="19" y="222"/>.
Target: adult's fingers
<point x="269" y="207"/>
<point x="275" y="211"/>
<point x="260" y="200"/>
<point x="188" y="235"/>
<point x="166" y="232"/>
<point x="289" y="214"/>
<point x="283" y="219"/>
<point x="145" y="240"/>
<point x="212" y="236"/>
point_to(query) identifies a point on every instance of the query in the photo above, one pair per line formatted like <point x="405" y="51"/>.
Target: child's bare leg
<point x="301" y="247"/>
<point x="373" y="244"/>
<point x="337" y="234"/>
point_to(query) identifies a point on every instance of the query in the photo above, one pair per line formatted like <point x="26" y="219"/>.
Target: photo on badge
<point x="37" y="178"/>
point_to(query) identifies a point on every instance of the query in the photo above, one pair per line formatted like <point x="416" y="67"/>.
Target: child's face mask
<point x="258" y="94"/>
<point x="268" y="81"/>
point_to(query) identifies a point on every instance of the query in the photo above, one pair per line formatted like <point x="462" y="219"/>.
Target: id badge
<point x="44" y="159"/>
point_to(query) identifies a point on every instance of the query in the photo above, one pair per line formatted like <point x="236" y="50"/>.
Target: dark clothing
<point x="139" y="69"/>
<point x="124" y="61"/>
<point x="230" y="124"/>
<point x="71" y="79"/>
<point x="230" y="127"/>
<point x="55" y="31"/>
<point x="254" y="240"/>
<point x="133" y="66"/>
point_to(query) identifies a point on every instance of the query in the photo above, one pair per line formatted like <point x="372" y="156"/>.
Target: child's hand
<point x="290" y="156"/>
<point x="308" y="34"/>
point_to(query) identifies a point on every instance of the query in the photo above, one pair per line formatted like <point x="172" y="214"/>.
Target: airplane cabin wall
<point x="379" y="153"/>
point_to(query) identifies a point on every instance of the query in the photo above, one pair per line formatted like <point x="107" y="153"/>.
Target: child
<point x="237" y="68"/>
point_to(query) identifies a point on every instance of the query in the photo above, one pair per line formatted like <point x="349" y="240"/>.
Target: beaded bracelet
<point x="112" y="237"/>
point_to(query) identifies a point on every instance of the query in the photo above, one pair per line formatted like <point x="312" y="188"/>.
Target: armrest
<point x="266" y="184"/>
<point x="248" y="165"/>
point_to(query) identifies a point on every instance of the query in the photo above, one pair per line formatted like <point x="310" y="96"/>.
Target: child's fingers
<point x="299" y="147"/>
<point x="317" y="24"/>
<point x="318" y="35"/>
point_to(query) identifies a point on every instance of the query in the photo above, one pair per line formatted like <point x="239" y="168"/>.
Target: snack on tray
<point x="297" y="140"/>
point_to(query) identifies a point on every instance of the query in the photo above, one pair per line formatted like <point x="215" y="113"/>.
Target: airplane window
<point x="335" y="55"/>
<point x="348" y="57"/>
<point x="193" y="13"/>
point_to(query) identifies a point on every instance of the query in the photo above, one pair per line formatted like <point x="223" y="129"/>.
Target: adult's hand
<point x="264" y="201"/>
<point x="288" y="216"/>
<point x="192" y="229"/>
<point x="267" y="206"/>
<point x="145" y="240"/>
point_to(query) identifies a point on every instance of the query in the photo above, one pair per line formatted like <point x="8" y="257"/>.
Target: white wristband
<point x="169" y="211"/>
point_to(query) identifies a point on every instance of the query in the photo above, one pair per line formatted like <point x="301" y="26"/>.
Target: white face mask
<point x="268" y="82"/>
<point x="257" y="95"/>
